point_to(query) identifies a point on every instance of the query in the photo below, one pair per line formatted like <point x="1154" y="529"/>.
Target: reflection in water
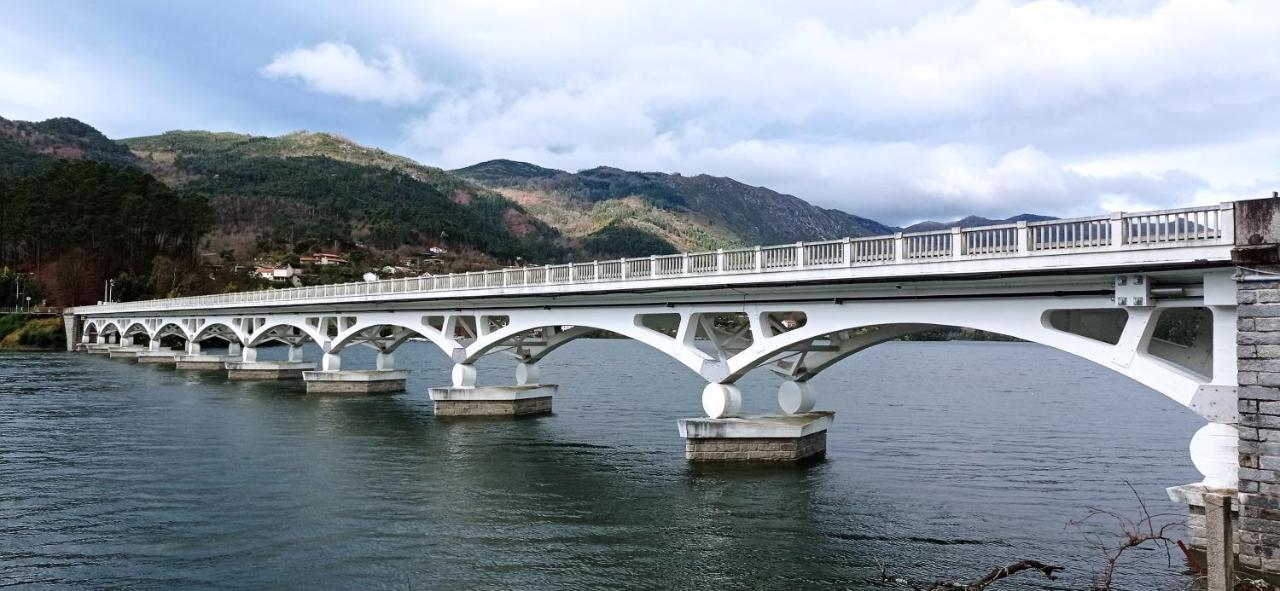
<point x="945" y="459"/>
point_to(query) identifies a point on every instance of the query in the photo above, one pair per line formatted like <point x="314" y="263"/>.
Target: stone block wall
<point x="491" y="408"/>
<point x="1258" y="365"/>
<point x="756" y="448"/>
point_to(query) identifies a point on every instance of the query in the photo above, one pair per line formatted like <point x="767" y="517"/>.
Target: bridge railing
<point x="1191" y="226"/>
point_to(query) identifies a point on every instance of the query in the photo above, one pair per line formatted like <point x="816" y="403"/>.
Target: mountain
<point x="974" y="221"/>
<point x="25" y="146"/>
<point x="310" y="190"/>
<point x="687" y="212"/>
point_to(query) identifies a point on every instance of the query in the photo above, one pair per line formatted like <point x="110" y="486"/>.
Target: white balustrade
<point x="1158" y="229"/>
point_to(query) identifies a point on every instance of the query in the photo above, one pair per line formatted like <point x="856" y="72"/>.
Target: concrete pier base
<point x="98" y="349"/>
<point x="203" y="362"/>
<point x="267" y="370"/>
<point x="125" y="353"/>
<point x="378" y="381"/>
<point x="774" y="438"/>
<point x="157" y="357"/>
<point x="480" y="401"/>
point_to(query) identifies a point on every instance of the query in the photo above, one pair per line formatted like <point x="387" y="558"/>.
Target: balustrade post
<point x="759" y="261"/>
<point x="595" y="270"/>
<point x="622" y="268"/>
<point x="848" y="251"/>
<point x="957" y="243"/>
<point x="719" y="260"/>
<point x="1023" y="237"/>
<point x="799" y="255"/>
<point x="684" y="261"/>
<point x="526" y="275"/>
<point x="653" y="266"/>
<point x="899" y="247"/>
<point x="570" y="272"/>
<point x="1226" y="223"/>
<point x="1118" y="237"/>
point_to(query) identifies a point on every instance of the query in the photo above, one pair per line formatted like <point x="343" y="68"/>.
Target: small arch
<point x="282" y="332"/>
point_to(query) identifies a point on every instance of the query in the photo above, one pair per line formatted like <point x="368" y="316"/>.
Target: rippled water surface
<point x="945" y="459"/>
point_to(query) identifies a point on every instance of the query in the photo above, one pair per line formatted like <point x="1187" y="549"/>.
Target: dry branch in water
<point x="996" y="574"/>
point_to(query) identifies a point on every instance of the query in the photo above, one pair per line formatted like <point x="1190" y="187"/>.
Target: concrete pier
<point x="377" y="381"/>
<point x="774" y="438"/>
<point x="204" y="362"/>
<point x="157" y="357"/>
<point x="477" y="401"/>
<point x="128" y="352"/>
<point x="267" y="370"/>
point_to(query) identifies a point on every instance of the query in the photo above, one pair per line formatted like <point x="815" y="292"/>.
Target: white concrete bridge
<point x="1149" y="295"/>
<point x="1155" y="296"/>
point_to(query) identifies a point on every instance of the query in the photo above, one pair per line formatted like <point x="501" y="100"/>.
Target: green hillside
<point x="310" y="189"/>
<point x="690" y="213"/>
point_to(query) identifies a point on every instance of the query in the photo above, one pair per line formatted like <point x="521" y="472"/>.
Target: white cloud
<point x="338" y="69"/>
<point x="993" y="107"/>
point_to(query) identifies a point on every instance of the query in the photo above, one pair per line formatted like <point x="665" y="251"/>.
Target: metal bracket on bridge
<point x="1133" y="291"/>
<point x="1217" y="404"/>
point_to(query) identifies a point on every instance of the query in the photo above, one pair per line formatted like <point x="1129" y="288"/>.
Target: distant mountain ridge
<point x="690" y="212"/>
<point x="26" y="146"/>
<point x="974" y="221"/>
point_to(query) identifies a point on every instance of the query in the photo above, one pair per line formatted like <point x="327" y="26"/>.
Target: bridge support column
<point x="789" y="438"/>
<point x="233" y="349"/>
<point x="464" y="398"/>
<point x="153" y="355"/>
<point x="334" y="380"/>
<point x="796" y="397"/>
<point x="246" y="369"/>
<point x="126" y="349"/>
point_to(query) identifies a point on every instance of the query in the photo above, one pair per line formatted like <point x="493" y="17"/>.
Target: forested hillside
<point x="313" y="190"/>
<point x="616" y="208"/>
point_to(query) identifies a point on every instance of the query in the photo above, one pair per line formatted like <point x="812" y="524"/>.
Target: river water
<point x="945" y="459"/>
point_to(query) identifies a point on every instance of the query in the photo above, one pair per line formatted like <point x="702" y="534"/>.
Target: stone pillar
<point x="1257" y="233"/>
<point x="127" y="341"/>
<point x="385" y="361"/>
<point x="154" y="345"/>
<point x="331" y="362"/>
<point x="233" y="349"/>
<point x="295" y="353"/>
<point x="1220" y="554"/>
<point x="71" y="327"/>
<point x="249" y="354"/>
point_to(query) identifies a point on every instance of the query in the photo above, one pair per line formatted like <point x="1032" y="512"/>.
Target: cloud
<point x="338" y="69"/>
<point x="992" y="107"/>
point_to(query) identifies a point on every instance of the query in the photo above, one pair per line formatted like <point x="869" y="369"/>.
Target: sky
<point x="899" y="110"/>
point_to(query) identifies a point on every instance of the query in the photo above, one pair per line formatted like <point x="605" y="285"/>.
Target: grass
<point x="21" y="331"/>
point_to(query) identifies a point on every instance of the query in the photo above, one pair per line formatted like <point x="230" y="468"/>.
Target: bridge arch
<point x="622" y="322"/>
<point x="288" y="331"/>
<point x="367" y="330"/>
<point x="218" y="329"/>
<point x="1026" y="319"/>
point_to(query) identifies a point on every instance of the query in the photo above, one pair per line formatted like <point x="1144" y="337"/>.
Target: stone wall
<point x="1258" y="364"/>
<point x="762" y="448"/>
<point x="522" y="406"/>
